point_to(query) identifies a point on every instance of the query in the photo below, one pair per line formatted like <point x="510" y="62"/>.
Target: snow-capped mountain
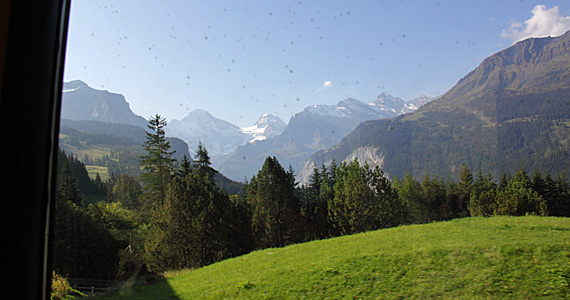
<point x="317" y="127"/>
<point x="393" y="106"/>
<point x="266" y="126"/>
<point x="219" y="136"/>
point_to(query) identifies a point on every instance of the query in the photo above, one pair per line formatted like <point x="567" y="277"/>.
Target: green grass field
<point x="93" y="170"/>
<point x="472" y="258"/>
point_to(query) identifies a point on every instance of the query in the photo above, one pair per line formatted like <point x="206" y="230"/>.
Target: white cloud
<point x="327" y="84"/>
<point x="544" y="22"/>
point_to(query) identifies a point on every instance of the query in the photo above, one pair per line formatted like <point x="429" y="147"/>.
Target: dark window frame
<point x="32" y="49"/>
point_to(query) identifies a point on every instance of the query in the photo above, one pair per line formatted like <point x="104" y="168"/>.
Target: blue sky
<point x="241" y="59"/>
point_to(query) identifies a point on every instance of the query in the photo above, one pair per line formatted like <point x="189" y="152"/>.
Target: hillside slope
<point x="473" y="258"/>
<point x="512" y="110"/>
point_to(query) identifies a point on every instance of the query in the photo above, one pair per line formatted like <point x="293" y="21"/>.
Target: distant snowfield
<point x="70" y="90"/>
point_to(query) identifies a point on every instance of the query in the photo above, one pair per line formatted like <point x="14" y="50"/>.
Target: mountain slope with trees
<point x="513" y="109"/>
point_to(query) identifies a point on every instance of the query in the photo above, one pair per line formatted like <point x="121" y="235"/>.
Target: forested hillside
<point x="175" y="216"/>
<point x="512" y="111"/>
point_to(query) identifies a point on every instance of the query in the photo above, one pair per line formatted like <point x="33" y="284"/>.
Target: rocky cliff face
<point x="81" y="102"/>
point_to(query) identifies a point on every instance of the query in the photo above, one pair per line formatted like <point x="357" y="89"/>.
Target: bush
<point x="60" y="287"/>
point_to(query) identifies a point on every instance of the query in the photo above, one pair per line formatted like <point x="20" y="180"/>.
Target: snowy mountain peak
<point x="266" y="126"/>
<point x="219" y="136"/>
<point x="73" y="86"/>
<point x="388" y="103"/>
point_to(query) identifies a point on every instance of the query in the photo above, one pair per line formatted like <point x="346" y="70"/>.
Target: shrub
<point x="60" y="287"/>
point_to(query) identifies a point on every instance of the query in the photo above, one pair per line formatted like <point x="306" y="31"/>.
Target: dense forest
<point x="175" y="214"/>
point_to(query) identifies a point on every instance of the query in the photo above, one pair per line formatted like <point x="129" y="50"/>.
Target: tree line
<point x="175" y="215"/>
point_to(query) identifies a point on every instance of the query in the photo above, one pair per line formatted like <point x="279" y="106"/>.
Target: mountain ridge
<point x="82" y="102"/>
<point x="513" y="109"/>
<point x="315" y="128"/>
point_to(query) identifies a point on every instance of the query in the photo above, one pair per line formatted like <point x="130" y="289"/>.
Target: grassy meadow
<point x="471" y="258"/>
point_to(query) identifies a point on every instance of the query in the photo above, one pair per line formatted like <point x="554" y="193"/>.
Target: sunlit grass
<point x="473" y="258"/>
<point x="94" y="170"/>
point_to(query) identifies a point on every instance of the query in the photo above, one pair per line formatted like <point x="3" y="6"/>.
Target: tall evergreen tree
<point x="185" y="167"/>
<point x="68" y="188"/>
<point x="157" y="161"/>
<point x="275" y="208"/>
<point x="191" y="227"/>
<point x="411" y="194"/>
<point x="518" y="198"/>
<point x="465" y="184"/>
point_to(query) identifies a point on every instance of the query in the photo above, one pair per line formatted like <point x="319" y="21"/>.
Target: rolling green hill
<point x="472" y="258"/>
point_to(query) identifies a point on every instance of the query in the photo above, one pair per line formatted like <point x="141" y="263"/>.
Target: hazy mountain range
<point x="317" y="127"/>
<point x="219" y="136"/>
<point x="237" y="151"/>
<point x="513" y="110"/>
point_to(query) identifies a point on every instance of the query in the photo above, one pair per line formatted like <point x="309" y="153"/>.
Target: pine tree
<point x="411" y="194"/>
<point x="185" y="167"/>
<point x="518" y="198"/>
<point x="157" y="162"/>
<point x="191" y="228"/>
<point x="202" y="162"/>
<point x="275" y="207"/>
<point x="465" y="185"/>
<point x="68" y="188"/>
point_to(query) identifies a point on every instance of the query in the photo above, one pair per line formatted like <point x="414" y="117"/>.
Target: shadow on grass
<point x="157" y="289"/>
